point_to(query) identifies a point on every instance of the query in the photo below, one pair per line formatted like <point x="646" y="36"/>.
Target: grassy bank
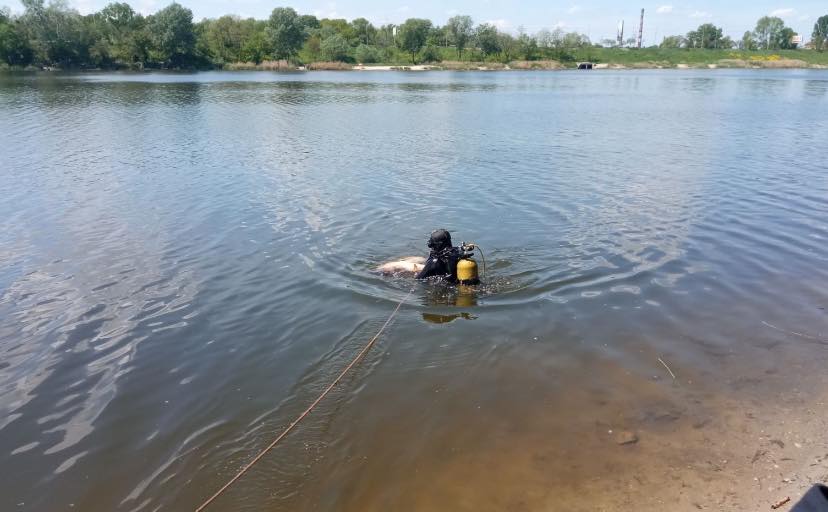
<point x="648" y="58"/>
<point x="670" y="58"/>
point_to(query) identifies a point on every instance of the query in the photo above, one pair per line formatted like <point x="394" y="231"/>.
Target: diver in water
<point x="449" y="263"/>
<point x="443" y="258"/>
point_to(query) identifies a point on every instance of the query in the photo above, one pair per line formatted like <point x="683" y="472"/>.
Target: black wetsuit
<point x="441" y="264"/>
<point x="815" y="500"/>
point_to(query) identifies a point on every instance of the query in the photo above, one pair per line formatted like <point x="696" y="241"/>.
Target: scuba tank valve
<point x="467" y="267"/>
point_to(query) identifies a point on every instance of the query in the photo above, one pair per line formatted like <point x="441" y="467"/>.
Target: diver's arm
<point x="430" y="269"/>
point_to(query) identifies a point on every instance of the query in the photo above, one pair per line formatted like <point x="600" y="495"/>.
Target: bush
<point x="431" y="54"/>
<point x="366" y="54"/>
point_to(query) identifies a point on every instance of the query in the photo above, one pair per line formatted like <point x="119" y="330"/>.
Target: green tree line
<point x="118" y="37"/>
<point x="770" y="34"/>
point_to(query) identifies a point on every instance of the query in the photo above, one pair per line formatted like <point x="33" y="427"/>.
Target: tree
<point x="118" y="15"/>
<point x="312" y="48"/>
<point x="117" y="23"/>
<point x="575" y="40"/>
<point x="124" y="33"/>
<point x="225" y="37"/>
<point x="508" y="46"/>
<point x="544" y="38"/>
<point x="99" y="47"/>
<point x="257" y="46"/>
<point x="55" y="33"/>
<point x="460" y="28"/>
<point x="328" y="27"/>
<point x="785" y="39"/>
<point x="527" y="46"/>
<point x="673" y="42"/>
<point x="286" y="32"/>
<point x="309" y="21"/>
<point x="820" y="34"/>
<point x="434" y="37"/>
<point x="747" y="42"/>
<point x="556" y="39"/>
<point x="487" y="39"/>
<point x="385" y="36"/>
<point x="363" y="30"/>
<point x="412" y="35"/>
<point x="335" y="47"/>
<point x="727" y="43"/>
<point x="172" y="35"/>
<point x="767" y="32"/>
<point x="14" y="49"/>
<point x="442" y="35"/>
<point x="707" y="35"/>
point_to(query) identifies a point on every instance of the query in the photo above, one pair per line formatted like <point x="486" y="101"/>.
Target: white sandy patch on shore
<point x="418" y="67"/>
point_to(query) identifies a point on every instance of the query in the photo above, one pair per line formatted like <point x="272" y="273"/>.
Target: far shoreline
<point x="594" y="57"/>
<point x="596" y="67"/>
<point x="546" y="65"/>
<point x="539" y="65"/>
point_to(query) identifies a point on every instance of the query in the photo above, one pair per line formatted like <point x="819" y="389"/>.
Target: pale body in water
<point x="411" y="264"/>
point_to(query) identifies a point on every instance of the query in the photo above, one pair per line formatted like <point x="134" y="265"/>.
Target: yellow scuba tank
<point x="466" y="266"/>
<point x="467" y="271"/>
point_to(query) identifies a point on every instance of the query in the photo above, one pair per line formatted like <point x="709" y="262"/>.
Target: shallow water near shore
<point x="187" y="263"/>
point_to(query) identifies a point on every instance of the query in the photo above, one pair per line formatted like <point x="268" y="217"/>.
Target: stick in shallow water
<point x="801" y="335"/>
<point x="780" y="503"/>
<point x="668" y="368"/>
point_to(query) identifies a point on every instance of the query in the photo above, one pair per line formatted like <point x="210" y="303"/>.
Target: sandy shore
<point x="741" y="433"/>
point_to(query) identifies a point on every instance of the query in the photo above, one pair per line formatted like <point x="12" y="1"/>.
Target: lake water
<point x="187" y="262"/>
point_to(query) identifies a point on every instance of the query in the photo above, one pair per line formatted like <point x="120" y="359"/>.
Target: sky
<point x="596" y="18"/>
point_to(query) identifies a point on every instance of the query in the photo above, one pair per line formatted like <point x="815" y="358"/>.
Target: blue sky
<point x="596" y="18"/>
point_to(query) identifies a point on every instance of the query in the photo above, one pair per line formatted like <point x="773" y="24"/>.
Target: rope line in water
<point x="482" y="257"/>
<point x="310" y="408"/>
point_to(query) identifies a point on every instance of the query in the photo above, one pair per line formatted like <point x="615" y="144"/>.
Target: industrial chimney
<point x="620" y="34"/>
<point x="640" y="29"/>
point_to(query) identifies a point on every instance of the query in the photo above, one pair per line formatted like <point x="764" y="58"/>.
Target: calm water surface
<point x="187" y="261"/>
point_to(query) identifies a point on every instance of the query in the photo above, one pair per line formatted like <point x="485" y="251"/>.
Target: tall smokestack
<point x="641" y="29"/>
<point x="620" y="34"/>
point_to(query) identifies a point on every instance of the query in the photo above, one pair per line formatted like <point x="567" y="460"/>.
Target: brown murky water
<point x="187" y="264"/>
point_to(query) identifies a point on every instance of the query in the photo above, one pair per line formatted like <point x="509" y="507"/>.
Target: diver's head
<point x="439" y="240"/>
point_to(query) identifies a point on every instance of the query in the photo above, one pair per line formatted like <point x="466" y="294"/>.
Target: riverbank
<point x="601" y="58"/>
<point x="557" y="66"/>
<point x="614" y="60"/>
